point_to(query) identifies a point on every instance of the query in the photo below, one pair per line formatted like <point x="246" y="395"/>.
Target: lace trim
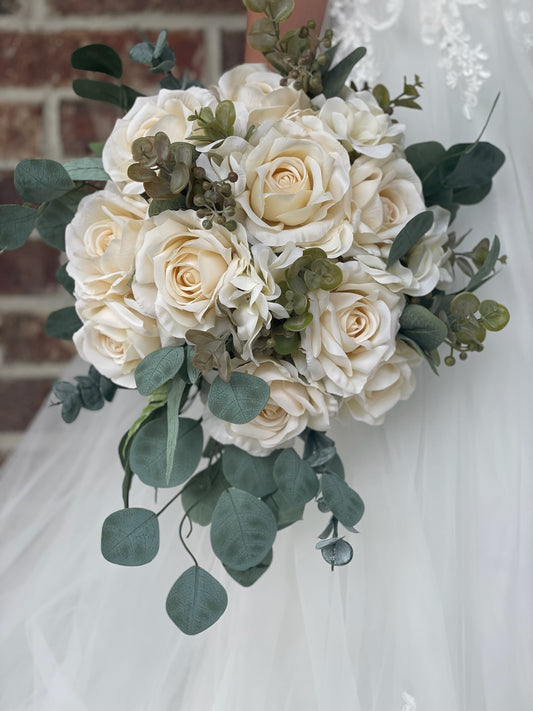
<point x="441" y="23"/>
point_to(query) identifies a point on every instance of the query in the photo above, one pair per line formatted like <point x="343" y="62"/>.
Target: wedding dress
<point x="434" y="613"/>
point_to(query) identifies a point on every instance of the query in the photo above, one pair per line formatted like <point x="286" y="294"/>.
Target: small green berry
<point x="449" y="360"/>
<point x="207" y="225"/>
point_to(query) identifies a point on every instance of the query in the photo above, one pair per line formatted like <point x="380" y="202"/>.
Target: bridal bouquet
<point x="257" y="258"/>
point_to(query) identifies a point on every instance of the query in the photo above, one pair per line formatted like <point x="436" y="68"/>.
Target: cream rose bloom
<point x="358" y="119"/>
<point x="297" y="189"/>
<point x="385" y="195"/>
<point x="393" y="381"/>
<point x="260" y="92"/>
<point x="293" y="405"/>
<point x="181" y="268"/>
<point x="352" y="332"/>
<point x="115" y="339"/>
<point x="100" y="243"/>
<point x="422" y="268"/>
<point x="251" y="296"/>
<point x="168" y="111"/>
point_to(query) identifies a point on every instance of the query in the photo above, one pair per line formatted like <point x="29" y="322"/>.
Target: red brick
<point x="20" y="401"/>
<point x="233" y="44"/>
<point x="8" y="194"/>
<point x="29" y="270"/>
<point x="24" y="341"/>
<point x="32" y="59"/>
<point x="21" y="133"/>
<point x="83" y="122"/>
<point x="112" y="7"/>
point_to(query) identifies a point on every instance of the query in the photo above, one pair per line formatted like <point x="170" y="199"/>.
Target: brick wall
<point x="41" y="117"/>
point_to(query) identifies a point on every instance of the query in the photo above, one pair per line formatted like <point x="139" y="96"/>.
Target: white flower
<point x="352" y="332"/>
<point x="181" y="268"/>
<point x="386" y="194"/>
<point x="293" y="405"/>
<point x="168" y="111"/>
<point x="260" y="92"/>
<point x="251" y="296"/>
<point x="358" y="119"/>
<point x="115" y="339"/>
<point x="100" y="243"/>
<point x="423" y="267"/>
<point x="297" y="189"/>
<point x="393" y="381"/>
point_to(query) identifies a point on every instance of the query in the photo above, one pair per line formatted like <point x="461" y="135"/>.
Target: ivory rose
<point x="393" y="381"/>
<point x="297" y="189"/>
<point x="358" y="119"/>
<point x="352" y="332"/>
<point x="100" y="243"/>
<point x="115" y="338"/>
<point x="168" y="111"/>
<point x="293" y="405"/>
<point x="260" y="92"/>
<point x="181" y="267"/>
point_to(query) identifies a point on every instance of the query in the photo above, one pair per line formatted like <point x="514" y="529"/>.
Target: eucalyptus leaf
<point x="63" y="323"/>
<point x="281" y="9"/>
<point x="158" y="367"/>
<point x="334" y="79"/>
<point x="148" y="453"/>
<point x="90" y="168"/>
<point x="158" y="206"/>
<point x="91" y="397"/>
<point x="122" y="96"/>
<point x="16" y="225"/>
<point x="142" y="52"/>
<point x="425" y="158"/>
<point x="130" y="537"/>
<point x="338" y="553"/>
<point x="160" y="44"/>
<point x="239" y="400"/>
<point x="343" y="502"/>
<point x="55" y="215"/>
<point x="249" y="473"/>
<point x="243" y="529"/>
<point x="414" y="345"/>
<point x="422" y="326"/>
<point x="196" y="601"/>
<point x="97" y="58"/>
<point x="176" y="388"/>
<point x="69" y="397"/>
<point x="295" y="478"/>
<point x="409" y="235"/>
<point x="472" y="195"/>
<point x="63" y="278"/>
<point x="39" y="180"/>
<point x="202" y="493"/>
<point x="484" y="272"/>
<point x="246" y="578"/>
<point x="471" y="165"/>
<point x="285" y="513"/>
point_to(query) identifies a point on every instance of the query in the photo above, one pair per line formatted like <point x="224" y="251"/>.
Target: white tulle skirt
<point x="433" y="614"/>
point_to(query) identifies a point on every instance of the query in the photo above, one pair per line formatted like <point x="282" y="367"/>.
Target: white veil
<point x="433" y="614"/>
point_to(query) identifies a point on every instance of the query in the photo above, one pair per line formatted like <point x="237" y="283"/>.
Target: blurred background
<point x="41" y="117"/>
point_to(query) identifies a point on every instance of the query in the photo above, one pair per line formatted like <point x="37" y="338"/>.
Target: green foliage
<point x="63" y="323"/>
<point x="295" y="478"/>
<point x="176" y="389"/>
<point x="246" y="578"/>
<point x="239" y="400"/>
<point x="249" y="473"/>
<point x="202" y="493"/>
<point x="90" y="168"/>
<point x="286" y="514"/>
<point x="344" y="503"/>
<point x="130" y="537"/>
<point x="39" y="180"/>
<point x="54" y="216"/>
<point x="97" y="58"/>
<point x="16" y="225"/>
<point x="66" y="281"/>
<point x="116" y="94"/>
<point x="422" y="327"/>
<point x="90" y="392"/>
<point x="406" y="99"/>
<point x="336" y="551"/>
<point x="243" y="530"/>
<point x="333" y="80"/>
<point x="69" y="397"/>
<point x="196" y="601"/>
<point x="159" y="57"/>
<point x="409" y="235"/>
<point x="484" y="272"/>
<point x="148" y="452"/>
<point x="158" y="367"/>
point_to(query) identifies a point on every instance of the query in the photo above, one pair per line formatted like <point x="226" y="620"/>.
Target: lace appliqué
<point x="464" y="62"/>
<point x="410" y="703"/>
<point x="357" y="22"/>
<point x="520" y="20"/>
